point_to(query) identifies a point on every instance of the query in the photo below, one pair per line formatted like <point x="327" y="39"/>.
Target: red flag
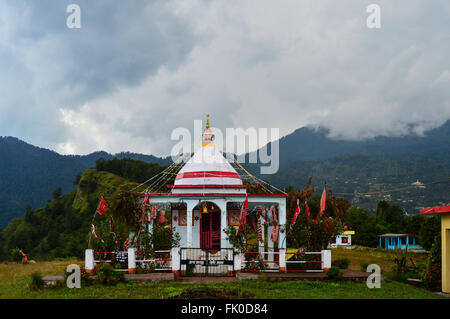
<point x="297" y="212"/>
<point x="146" y="200"/>
<point x="243" y="214"/>
<point x="306" y="211"/>
<point x="162" y="218"/>
<point x="102" y="207"/>
<point x="322" y="202"/>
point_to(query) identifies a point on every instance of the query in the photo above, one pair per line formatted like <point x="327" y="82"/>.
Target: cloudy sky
<point x="136" y="70"/>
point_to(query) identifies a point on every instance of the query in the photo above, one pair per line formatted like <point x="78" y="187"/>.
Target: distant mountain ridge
<point x="307" y="143"/>
<point x="29" y="174"/>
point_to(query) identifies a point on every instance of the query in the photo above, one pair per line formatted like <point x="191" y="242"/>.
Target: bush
<point x="334" y="273"/>
<point x="364" y="266"/>
<point x="106" y="275"/>
<point x="432" y="274"/>
<point x="36" y="281"/>
<point x="86" y="279"/>
<point x="16" y="255"/>
<point x="341" y="263"/>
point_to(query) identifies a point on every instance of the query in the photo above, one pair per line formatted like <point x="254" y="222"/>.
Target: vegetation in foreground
<point x="15" y="280"/>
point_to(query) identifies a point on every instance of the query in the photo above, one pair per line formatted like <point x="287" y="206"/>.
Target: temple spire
<point x="208" y="135"/>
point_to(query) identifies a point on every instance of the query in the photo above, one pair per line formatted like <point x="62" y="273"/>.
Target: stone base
<point x="131" y="271"/>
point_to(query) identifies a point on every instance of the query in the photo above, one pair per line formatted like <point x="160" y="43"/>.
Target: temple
<point x="217" y="226"/>
<point x="207" y="197"/>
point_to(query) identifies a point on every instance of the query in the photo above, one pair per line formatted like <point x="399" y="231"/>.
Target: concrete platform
<point x="350" y="275"/>
<point x="150" y="277"/>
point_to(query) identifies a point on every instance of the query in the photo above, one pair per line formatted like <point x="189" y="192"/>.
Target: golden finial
<point x="207" y="120"/>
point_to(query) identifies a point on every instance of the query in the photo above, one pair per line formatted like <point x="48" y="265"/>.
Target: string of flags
<point x="323" y="200"/>
<point x="95" y="233"/>
<point x="243" y="215"/>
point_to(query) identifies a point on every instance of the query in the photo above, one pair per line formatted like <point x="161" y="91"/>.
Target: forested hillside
<point x="29" y="175"/>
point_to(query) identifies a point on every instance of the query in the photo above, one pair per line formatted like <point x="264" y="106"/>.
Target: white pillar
<point x="131" y="260"/>
<point x="190" y="207"/>
<point x="222" y="204"/>
<point x="282" y="259"/>
<point x="261" y="245"/>
<point x="238" y="257"/>
<point x="282" y="220"/>
<point x="326" y="259"/>
<point x="176" y="261"/>
<point x="230" y="257"/>
<point x="89" y="263"/>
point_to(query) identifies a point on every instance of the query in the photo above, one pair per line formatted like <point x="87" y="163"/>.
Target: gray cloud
<point x="137" y="70"/>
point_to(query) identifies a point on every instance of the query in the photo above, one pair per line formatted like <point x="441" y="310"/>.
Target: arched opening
<point x="210" y="218"/>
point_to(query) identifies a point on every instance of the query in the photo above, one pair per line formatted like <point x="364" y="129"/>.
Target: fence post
<point x="326" y="259"/>
<point x="89" y="260"/>
<point x="131" y="260"/>
<point x="238" y="257"/>
<point x="230" y="257"/>
<point x="282" y="259"/>
<point x="176" y="261"/>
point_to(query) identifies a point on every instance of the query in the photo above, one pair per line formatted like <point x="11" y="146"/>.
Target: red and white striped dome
<point x="208" y="172"/>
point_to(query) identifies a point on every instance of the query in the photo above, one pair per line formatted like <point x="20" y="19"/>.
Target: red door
<point x="210" y="230"/>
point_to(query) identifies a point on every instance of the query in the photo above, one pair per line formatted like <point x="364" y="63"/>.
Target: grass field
<point x="14" y="279"/>
<point x="383" y="258"/>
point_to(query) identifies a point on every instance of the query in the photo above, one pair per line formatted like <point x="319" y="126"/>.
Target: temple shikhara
<point x="211" y="210"/>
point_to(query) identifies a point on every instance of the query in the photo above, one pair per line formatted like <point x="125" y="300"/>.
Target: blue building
<point x="402" y="241"/>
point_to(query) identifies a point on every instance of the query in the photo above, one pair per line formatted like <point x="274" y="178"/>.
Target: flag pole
<point x="92" y="223"/>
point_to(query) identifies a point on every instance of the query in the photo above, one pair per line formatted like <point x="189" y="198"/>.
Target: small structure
<point x="445" y="237"/>
<point x="402" y="241"/>
<point x="344" y="239"/>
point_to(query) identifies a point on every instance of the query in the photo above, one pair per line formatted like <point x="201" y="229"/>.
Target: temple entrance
<point x="210" y="226"/>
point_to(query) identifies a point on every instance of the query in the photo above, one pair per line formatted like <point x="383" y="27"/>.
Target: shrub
<point x="86" y="279"/>
<point x="341" y="263"/>
<point x="364" y="266"/>
<point x="36" y="281"/>
<point x="106" y="275"/>
<point x="432" y="274"/>
<point x="333" y="273"/>
<point x="16" y="255"/>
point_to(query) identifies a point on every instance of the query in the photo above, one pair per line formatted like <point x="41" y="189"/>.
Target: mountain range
<point x="29" y="174"/>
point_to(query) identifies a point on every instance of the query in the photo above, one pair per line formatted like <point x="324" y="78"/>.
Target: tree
<point x="432" y="276"/>
<point x="2" y="257"/>
<point x="29" y="214"/>
<point x="57" y="193"/>
<point x="413" y="224"/>
<point x="77" y="179"/>
<point x="430" y="228"/>
<point x="365" y="226"/>
<point x="392" y="217"/>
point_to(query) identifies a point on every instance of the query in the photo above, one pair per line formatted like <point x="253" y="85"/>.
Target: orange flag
<point x="322" y="202"/>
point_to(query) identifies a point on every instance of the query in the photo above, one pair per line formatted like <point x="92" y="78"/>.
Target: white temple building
<point x="207" y="197"/>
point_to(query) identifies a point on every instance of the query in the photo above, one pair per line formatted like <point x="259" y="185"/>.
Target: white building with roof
<point x="207" y="197"/>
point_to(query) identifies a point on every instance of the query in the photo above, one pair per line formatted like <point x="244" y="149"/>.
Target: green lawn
<point x="14" y="279"/>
